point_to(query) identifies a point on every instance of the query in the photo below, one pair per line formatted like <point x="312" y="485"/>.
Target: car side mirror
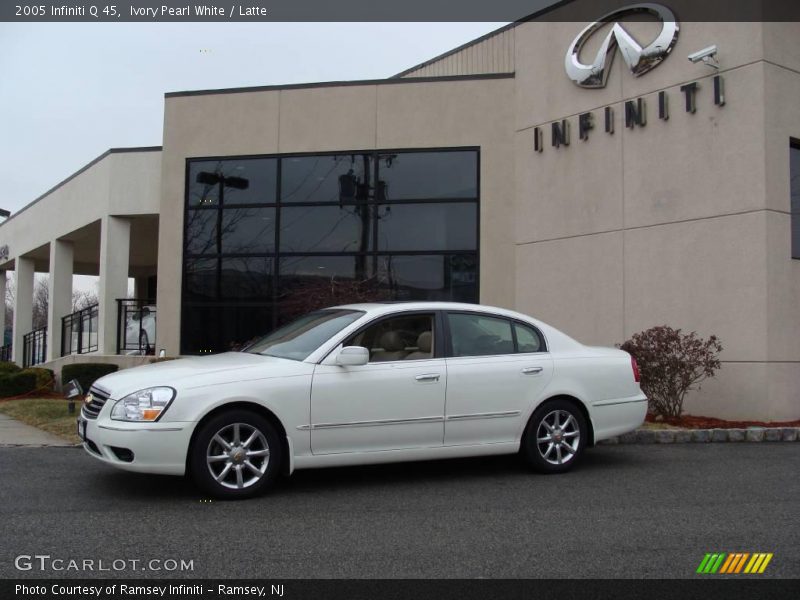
<point x="352" y="356"/>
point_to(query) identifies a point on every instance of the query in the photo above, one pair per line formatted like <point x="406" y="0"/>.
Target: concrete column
<point x="23" y="305"/>
<point x="3" y="312"/>
<point x="115" y="241"/>
<point x="59" y="293"/>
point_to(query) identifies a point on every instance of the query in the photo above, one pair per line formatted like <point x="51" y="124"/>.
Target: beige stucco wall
<point x="682" y="222"/>
<point x="121" y="183"/>
<point x="356" y="117"/>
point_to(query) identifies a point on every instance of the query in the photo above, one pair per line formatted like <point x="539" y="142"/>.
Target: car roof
<point x="555" y="339"/>
<point x="376" y="308"/>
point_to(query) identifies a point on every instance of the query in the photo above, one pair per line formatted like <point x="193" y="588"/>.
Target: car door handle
<point x="532" y="370"/>
<point x="428" y="377"/>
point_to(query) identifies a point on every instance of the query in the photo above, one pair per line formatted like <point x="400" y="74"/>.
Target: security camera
<point x="706" y="55"/>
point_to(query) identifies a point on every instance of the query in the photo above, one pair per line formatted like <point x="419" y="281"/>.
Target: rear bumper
<point x="141" y="447"/>
<point x="615" y="417"/>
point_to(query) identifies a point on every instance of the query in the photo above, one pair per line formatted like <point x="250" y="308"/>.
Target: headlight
<point x="144" y="405"/>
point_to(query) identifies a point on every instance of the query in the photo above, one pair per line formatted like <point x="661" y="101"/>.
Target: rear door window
<point x="480" y="335"/>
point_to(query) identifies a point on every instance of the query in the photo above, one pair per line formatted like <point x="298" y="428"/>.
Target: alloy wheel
<point x="558" y="437"/>
<point x="237" y="456"/>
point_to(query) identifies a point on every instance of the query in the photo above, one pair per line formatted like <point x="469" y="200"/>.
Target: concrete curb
<point x="700" y="436"/>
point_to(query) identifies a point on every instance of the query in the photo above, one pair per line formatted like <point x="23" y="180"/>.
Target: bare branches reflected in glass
<point x="270" y="238"/>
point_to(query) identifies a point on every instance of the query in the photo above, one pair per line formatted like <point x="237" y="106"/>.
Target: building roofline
<point x="455" y="50"/>
<point x="81" y="170"/>
<point x="482" y="38"/>
<point x="325" y="84"/>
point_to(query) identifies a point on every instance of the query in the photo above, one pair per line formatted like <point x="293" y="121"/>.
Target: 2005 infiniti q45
<point x="366" y="383"/>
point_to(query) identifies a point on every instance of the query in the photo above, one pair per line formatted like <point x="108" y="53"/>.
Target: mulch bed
<point x="693" y="422"/>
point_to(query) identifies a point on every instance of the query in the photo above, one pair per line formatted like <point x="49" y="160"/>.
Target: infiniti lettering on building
<point x="639" y="59"/>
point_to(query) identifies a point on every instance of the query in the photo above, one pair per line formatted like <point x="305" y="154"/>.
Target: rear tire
<point x="555" y="437"/>
<point x="237" y="454"/>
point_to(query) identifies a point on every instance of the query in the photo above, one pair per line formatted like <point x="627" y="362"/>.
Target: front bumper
<point x="141" y="447"/>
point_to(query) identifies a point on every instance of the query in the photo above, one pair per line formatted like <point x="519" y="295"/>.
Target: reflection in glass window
<point x="219" y="328"/>
<point x="297" y="340"/>
<point x="201" y="232"/>
<point x="201" y="279"/>
<point x="794" y="174"/>
<point x="236" y="181"/>
<point x="248" y="230"/>
<point x="337" y="178"/>
<point x="428" y="175"/>
<point x="326" y="228"/>
<point x="312" y="282"/>
<point x="429" y="277"/>
<point x="428" y="227"/>
<point x="342" y="229"/>
<point x="247" y="278"/>
<point x="477" y="335"/>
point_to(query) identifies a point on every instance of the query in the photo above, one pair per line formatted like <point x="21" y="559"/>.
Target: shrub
<point x="86" y="373"/>
<point x="670" y="364"/>
<point x="14" y="384"/>
<point x="44" y="377"/>
<point x="8" y="367"/>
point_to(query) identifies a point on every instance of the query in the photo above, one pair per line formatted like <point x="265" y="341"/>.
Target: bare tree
<point x="41" y="301"/>
<point x="83" y="299"/>
<point x="9" y="308"/>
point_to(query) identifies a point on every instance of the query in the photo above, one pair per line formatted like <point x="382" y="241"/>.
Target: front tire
<point x="237" y="454"/>
<point x="555" y="437"/>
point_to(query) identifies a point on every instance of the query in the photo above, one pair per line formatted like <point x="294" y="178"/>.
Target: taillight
<point x="635" y="368"/>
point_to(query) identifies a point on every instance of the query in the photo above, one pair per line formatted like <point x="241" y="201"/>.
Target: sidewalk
<point x="14" y="433"/>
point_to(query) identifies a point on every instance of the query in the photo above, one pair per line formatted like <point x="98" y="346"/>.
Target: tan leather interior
<point x="392" y="348"/>
<point x="424" y="345"/>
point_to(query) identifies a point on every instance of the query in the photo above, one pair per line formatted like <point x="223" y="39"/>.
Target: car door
<point x="497" y="368"/>
<point x="394" y="402"/>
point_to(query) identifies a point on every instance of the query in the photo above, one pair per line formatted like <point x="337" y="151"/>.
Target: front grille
<point x="99" y="398"/>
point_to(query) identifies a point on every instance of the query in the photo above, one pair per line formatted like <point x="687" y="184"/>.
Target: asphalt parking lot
<point x="627" y="511"/>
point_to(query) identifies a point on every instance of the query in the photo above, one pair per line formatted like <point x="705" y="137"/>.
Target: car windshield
<point x="301" y="337"/>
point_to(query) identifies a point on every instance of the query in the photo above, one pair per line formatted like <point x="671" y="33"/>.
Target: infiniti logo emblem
<point x="639" y="59"/>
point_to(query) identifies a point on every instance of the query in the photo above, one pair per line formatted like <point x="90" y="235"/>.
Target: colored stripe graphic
<point x="741" y="562"/>
<point x="718" y="563"/>
<point x="733" y="563"/>
<point x="711" y="562"/>
<point x="732" y="558"/>
<point x="764" y="564"/>
<point x="752" y="563"/>
<point x="703" y="563"/>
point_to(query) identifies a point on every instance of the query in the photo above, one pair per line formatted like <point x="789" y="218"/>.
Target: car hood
<point x="186" y="373"/>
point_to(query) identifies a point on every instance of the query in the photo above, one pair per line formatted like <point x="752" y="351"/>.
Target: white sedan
<point x="363" y="384"/>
